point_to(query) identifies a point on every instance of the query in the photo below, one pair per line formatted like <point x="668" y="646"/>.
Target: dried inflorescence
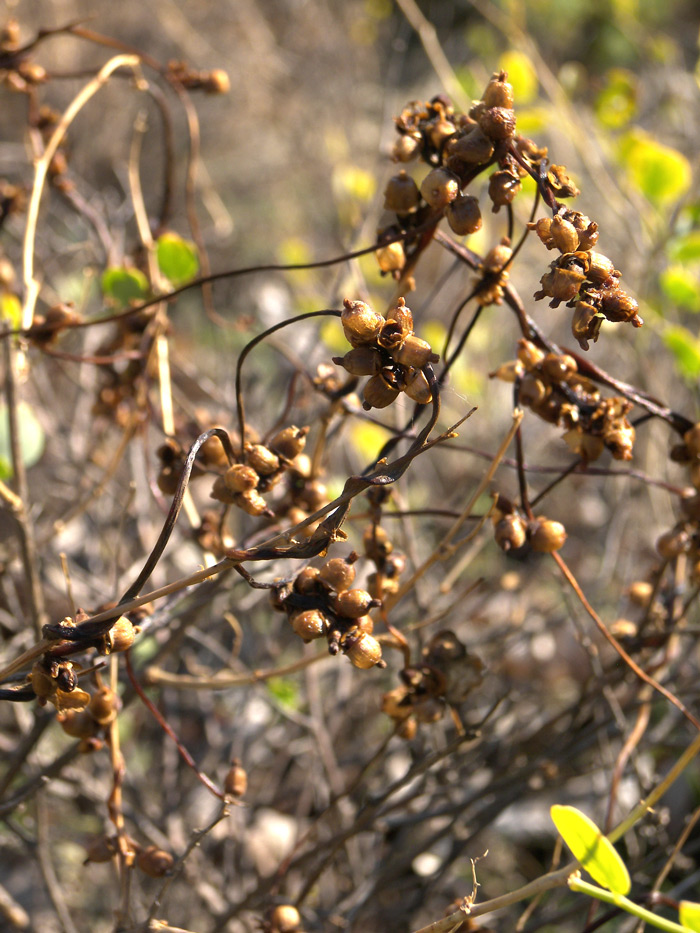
<point x="446" y="676"/>
<point x="322" y="603"/>
<point x="513" y="529"/>
<point x="387" y="350"/>
<point x="551" y="385"/>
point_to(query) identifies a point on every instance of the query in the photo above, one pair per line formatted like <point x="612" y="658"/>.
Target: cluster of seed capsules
<point x="387" y="350"/>
<point x="582" y="278"/>
<point x="55" y="680"/>
<point x="513" y="529"/>
<point x="321" y="603"/>
<point x="445" y="677"/>
<point x="550" y="385"/>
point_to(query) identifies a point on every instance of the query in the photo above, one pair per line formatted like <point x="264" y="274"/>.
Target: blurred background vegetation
<point x="294" y="161"/>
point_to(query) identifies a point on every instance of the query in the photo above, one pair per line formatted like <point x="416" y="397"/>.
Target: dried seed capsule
<point x="464" y="215"/>
<point x="362" y="361"/>
<point x="532" y="390"/>
<point x="418" y="387"/>
<point x="338" y="573"/>
<point x="546" y="535"/>
<point x="251" y="502"/>
<point x="154" y="861"/>
<point x="586" y="323"/>
<point x="563" y="234"/>
<point x="440" y="131"/>
<point x="262" y="459"/>
<point x="439" y="187"/>
<point x="212" y="453"/>
<point x="216" y="81"/>
<point x="101" y="849"/>
<point x="313" y="496"/>
<point x="376" y="543"/>
<point x="122" y="635"/>
<point x="600" y="269"/>
<point x="360" y="323"/>
<point x="364" y="624"/>
<point x="497" y="122"/>
<point x="692" y="440"/>
<point x="352" y="604"/>
<point x="103" y="706"/>
<point x="290" y="441"/>
<point x="496" y="259"/>
<point x="78" y="723"/>
<point x="617" y="306"/>
<point x="510" y="533"/>
<point x="285" y="919"/>
<point x="236" y="780"/>
<point x="672" y="543"/>
<point x="498" y="93"/>
<point x="397" y="704"/>
<point x="402" y="315"/>
<point x="640" y="592"/>
<point x="221" y="492"/>
<point x="378" y="393"/>
<point x="391" y="258"/>
<point x="407" y="728"/>
<point x="474" y="148"/>
<point x="529" y="354"/>
<point x="618" y="437"/>
<point x="558" y="366"/>
<point x="428" y="709"/>
<point x="307" y="580"/>
<point x="309" y="624"/>
<point x="406" y="148"/>
<point x="508" y="372"/>
<point x="503" y="189"/>
<point x="401" y="194"/>
<point x="364" y="651"/>
<point x="415" y="352"/>
<point x="240" y="477"/>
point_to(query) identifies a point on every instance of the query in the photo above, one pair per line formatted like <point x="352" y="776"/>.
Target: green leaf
<point x="661" y="173"/>
<point x="11" y="309"/>
<point x="177" y="258"/>
<point x="368" y="439"/>
<point x="32" y="439"/>
<point x="685" y="347"/>
<point x="617" y="102"/>
<point x="689" y="915"/>
<point x="285" y="691"/>
<point x="592" y="849"/>
<point x="685" y="248"/>
<point x="682" y="287"/>
<point x="121" y="286"/>
<point x="522" y="75"/>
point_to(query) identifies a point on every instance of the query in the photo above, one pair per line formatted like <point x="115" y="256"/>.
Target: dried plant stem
<point x="31" y="285"/>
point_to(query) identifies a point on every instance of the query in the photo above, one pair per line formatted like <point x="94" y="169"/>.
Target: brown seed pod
<point x="402" y="315"/>
<point x="546" y="535"/>
<point x="510" y="533"/>
<point x="600" y="269"/>
<point x="508" y="372"/>
<point x="122" y="635"/>
<point x="557" y="366"/>
<point x="251" y="502"/>
<point x="216" y="81"/>
<point x="504" y="187"/>
<point x="212" y="453"/>
<point x="391" y="258"/>
<point x="415" y="352"/>
<point x="497" y="122"/>
<point x="307" y="580"/>
<point x="417" y="387"/>
<point x="532" y="390"/>
<point x="439" y="187"/>
<point x="236" y="780"/>
<point x="529" y="354"/>
<point x="379" y="392"/>
<point x="673" y="543"/>
<point x="362" y="361"/>
<point x="221" y="492"/>
<point x="284" y="919"/>
<point x="464" y="215"/>
<point x="363" y="650"/>
<point x="309" y="624"/>
<point x="692" y="440"/>
<point x="154" y="862"/>
<point x="360" y="323"/>
<point x="103" y="706"/>
<point x="498" y="93"/>
<point x="262" y="459"/>
<point x="406" y="148"/>
<point x="640" y="592"/>
<point x="473" y="148"/>
<point x="397" y="704"/>
<point x="240" y="477"/>
<point x="352" y="604"/>
<point x="376" y="543"/>
<point x="440" y="131"/>
<point x="563" y="234"/>
<point x="101" y="849"/>
<point x="289" y="442"/>
<point x="78" y="723"/>
<point x="338" y="573"/>
<point x="401" y="194"/>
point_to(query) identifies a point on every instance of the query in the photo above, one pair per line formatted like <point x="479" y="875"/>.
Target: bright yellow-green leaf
<point x="32" y="439"/>
<point x="285" y="691"/>
<point x="685" y="347"/>
<point x="682" y="287"/>
<point x="11" y="309"/>
<point x="685" y="248"/>
<point x="592" y="849"/>
<point x="121" y="286"/>
<point x="522" y="75"/>
<point x="689" y="915"/>
<point x="661" y="173"/>
<point x="532" y="120"/>
<point x="617" y="102"/>
<point x="177" y="258"/>
<point x="354" y="182"/>
<point x="368" y="439"/>
<point x="294" y="251"/>
<point x="331" y="333"/>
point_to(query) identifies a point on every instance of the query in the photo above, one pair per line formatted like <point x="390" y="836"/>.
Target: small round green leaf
<point x="689" y="915"/>
<point x="522" y="74"/>
<point x="685" y="248"/>
<point x="32" y="439"/>
<point x="592" y="849"/>
<point x="682" y="287"/>
<point x="661" y="173"/>
<point x="11" y="309"/>
<point x="121" y="286"/>
<point x="617" y="102"/>
<point x="177" y="258"/>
